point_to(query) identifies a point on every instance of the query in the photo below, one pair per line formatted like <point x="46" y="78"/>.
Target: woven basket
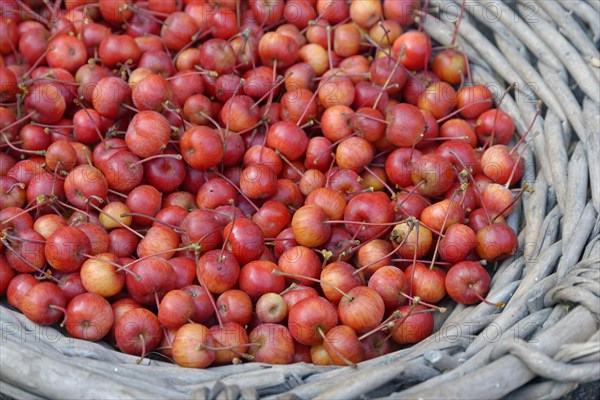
<point x="541" y="345"/>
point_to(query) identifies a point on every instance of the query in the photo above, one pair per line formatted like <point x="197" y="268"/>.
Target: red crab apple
<point x="89" y="317"/>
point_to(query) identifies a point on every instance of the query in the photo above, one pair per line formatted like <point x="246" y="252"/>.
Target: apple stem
<point x="235" y="92"/>
<point x="292" y="286"/>
<point x="62" y="309"/>
<point x="118" y="267"/>
<point x="147" y="13"/>
<point x="403" y="260"/>
<point x="238" y="189"/>
<point x="253" y="127"/>
<point x="387" y="82"/>
<point x="35" y="16"/>
<point x="329" y="174"/>
<point x="412" y="192"/>
<point x="230" y="348"/>
<point x="412" y="275"/>
<point x="188" y="247"/>
<point x="124" y="196"/>
<point x="378" y="46"/>
<point x="154" y="157"/>
<point x="514" y="168"/>
<point x="355" y="133"/>
<point x="14" y="185"/>
<point x="337" y="221"/>
<point x="95" y="207"/>
<point x="351" y="245"/>
<point x="432" y="306"/>
<point x="214" y="122"/>
<point x="203" y="283"/>
<point x="131" y="108"/>
<point x="70" y="207"/>
<point x="46" y="274"/>
<point x="131" y="214"/>
<point x="439" y="239"/>
<point x="411" y="226"/>
<point x="467" y="171"/>
<point x="299" y="122"/>
<point x="288" y="162"/>
<point x="280" y="81"/>
<point x="232" y="203"/>
<point x="335" y="350"/>
<point x="195" y="37"/>
<point x="272" y="91"/>
<point x="278" y="272"/>
<point x="384" y="183"/>
<point x="490" y="141"/>
<point x="372" y="118"/>
<point x="537" y="113"/>
<point x="498" y="305"/>
<point x="39" y="202"/>
<point x="13" y="147"/>
<point x="329" y="46"/>
<point x="393" y="316"/>
<point x="18" y="239"/>
<point x="515" y="199"/>
<point x="395" y="324"/>
<point x="170" y="107"/>
<point x="455" y="112"/>
<point x="143" y="355"/>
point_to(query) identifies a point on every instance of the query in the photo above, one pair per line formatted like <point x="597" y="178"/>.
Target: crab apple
<point x="89" y="317"/>
<point x="66" y="249"/>
<point x="310" y="317"/>
<point x="406" y="125"/>
<point x="85" y="184"/>
<point x="244" y="239"/>
<point x="202" y="147"/>
<point x="496" y="242"/>
<point x="502" y="165"/>
<point x="45" y="103"/>
<point x="372" y="208"/>
<point x="309" y="226"/>
<point x="467" y="282"/>
<point x="362" y="309"/>
<point x="343" y="346"/>
<point x="235" y="306"/>
<point x="450" y="65"/>
<point x="413" y="240"/>
<point x="414" y="49"/>
<point x="220" y="270"/>
<point x="434" y="175"/>
<point x="109" y="95"/>
<point x="231" y="335"/>
<point x="271" y="308"/>
<point x="100" y="275"/>
<point x="338" y="275"/>
<point x="300" y="260"/>
<point x="443" y="214"/>
<point x="138" y="331"/>
<point x="44" y="304"/>
<point x="390" y="283"/>
<point x="494" y="127"/>
<point x="457" y="243"/>
<point x="415" y="325"/>
<point x="176" y="309"/>
<point x="257" y="278"/>
<point x="274" y="344"/>
<point x="150" y="279"/>
<point x="474" y="100"/>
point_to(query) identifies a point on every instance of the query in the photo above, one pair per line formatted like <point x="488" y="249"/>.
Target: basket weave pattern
<point x="542" y="344"/>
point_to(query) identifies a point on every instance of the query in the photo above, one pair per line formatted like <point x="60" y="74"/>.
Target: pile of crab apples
<point x="226" y="181"/>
